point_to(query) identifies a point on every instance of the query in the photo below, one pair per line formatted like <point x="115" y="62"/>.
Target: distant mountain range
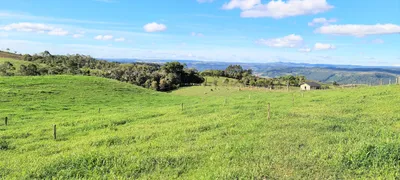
<point x="326" y="73"/>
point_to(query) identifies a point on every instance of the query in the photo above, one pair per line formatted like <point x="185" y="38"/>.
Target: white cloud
<point x="197" y="34"/>
<point x="321" y="46"/>
<point x="103" y="37"/>
<point x="205" y="1"/>
<point x="99" y="37"/>
<point x="305" y="50"/>
<point x="241" y="4"/>
<point x="378" y="41"/>
<point x="35" y="27"/>
<point x="19" y="16"/>
<point x="290" y="41"/>
<point x="120" y="39"/>
<point x="322" y="21"/>
<point x="359" y="30"/>
<point x="278" y="8"/>
<point x="58" y="32"/>
<point x="154" y="27"/>
<point x="77" y="35"/>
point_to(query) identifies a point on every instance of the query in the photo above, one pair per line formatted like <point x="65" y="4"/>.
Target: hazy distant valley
<point x="327" y="73"/>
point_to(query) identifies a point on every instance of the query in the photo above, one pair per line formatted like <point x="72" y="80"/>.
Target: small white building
<point x="310" y="86"/>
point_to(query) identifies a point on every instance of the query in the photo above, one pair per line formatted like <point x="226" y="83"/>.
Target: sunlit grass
<point x="223" y="133"/>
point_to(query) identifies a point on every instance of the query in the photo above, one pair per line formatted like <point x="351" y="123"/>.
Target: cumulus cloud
<point x="321" y="46"/>
<point x="322" y="21"/>
<point x="35" y="27"/>
<point x="241" y="4"/>
<point x="359" y="30"/>
<point x="290" y="41"/>
<point x="278" y="8"/>
<point x="120" y="39"/>
<point x="197" y="34"/>
<point x="58" y="32"/>
<point x="104" y="37"/>
<point x="205" y="1"/>
<point x="154" y="27"/>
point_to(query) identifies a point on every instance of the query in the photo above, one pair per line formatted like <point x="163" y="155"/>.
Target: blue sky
<point x="312" y="31"/>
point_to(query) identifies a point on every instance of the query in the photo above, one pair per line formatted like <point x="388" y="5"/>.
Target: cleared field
<point x="109" y="129"/>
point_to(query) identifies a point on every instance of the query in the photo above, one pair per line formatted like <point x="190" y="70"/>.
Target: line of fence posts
<point x="54" y="128"/>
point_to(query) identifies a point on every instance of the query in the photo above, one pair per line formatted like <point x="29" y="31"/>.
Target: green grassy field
<point x="220" y="134"/>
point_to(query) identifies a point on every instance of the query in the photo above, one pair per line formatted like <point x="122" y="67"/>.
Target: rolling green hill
<point x="109" y="129"/>
<point x="342" y="76"/>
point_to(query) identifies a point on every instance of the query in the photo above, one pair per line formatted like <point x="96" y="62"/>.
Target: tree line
<point x="246" y="78"/>
<point x="164" y="77"/>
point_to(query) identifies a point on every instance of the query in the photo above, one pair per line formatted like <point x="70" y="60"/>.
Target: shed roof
<point x="313" y="84"/>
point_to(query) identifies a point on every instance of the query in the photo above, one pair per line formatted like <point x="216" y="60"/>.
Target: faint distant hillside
<point x="327" y="73"/>
<point x="4" y="54"/>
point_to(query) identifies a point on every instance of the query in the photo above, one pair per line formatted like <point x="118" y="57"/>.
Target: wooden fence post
<point x="288" y="86"/>
<point x="99" y="110"/>
<point x="55" y="131"/>
<point x="269" y="111"/>
<point x="6" y="120"/>
<point x="390" y="81"/>
<point x="182" y="106"/>
<point x="381" y="82"/>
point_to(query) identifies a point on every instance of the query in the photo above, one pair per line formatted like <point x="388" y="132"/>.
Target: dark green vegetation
<point x="110" y="129"/>
<point x="164" y="77"/>
<point x="246" y="78"/>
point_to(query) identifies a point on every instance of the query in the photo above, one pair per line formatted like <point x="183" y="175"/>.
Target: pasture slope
<point x="109" y="129"/>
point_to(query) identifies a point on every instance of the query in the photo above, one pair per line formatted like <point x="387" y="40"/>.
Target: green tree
<point x="6" y="69"/>
<point x="30" y="70"/>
